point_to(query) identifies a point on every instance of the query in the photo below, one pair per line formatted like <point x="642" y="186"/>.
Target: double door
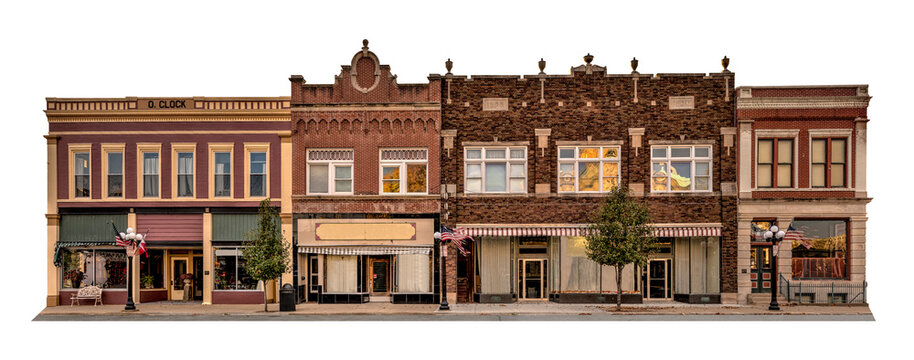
<point x="532" y="279"/>
<point x="761" y="268"/>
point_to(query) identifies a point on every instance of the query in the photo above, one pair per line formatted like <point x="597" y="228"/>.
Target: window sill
<point x="801" y="189"/>
<point x="679" y="194"/>
<point x="367" y="197"/>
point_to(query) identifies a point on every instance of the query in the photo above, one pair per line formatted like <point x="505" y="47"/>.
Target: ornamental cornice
<point x="802" y="103"/>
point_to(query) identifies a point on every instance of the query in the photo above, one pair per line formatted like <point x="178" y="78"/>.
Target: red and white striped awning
<point x="665" y="231"/>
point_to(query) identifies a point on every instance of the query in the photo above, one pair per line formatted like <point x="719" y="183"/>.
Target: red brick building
<point x="366" y="185"/>
<point x="189" y="171"/>
<point x="527" y="159"/>
<point x="803" y="169"/>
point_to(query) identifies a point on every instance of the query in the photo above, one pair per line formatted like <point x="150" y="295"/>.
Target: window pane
<point x="818" y="151"/>
<point x="150" y="163"/>
<point x="258" y="162"/>
<point x="75" y="272"/>
<point x="185" y="185"/>
<point x="474" y="170"/>
<point x="785" y="151"/>
<point x="566" y="177"/>
<point x="115" y="185"/>
<point x="680" y="152"/>
<point x="702" y="152"/>
<point x="150" y="185"/>
<point x="588" y="176"/>
<point x="819" y="249"/>
<point x="517" y="170"/>
<point x="223" y="163"/>
<point x="81" y="183"/>
<point x="837" y="175"/>
<point x="342" y="185"/>
<point x="258" y="187"/>
<point x="81" y="173"/>
<point x="702" y="182"/>
<point x="610" y="183"/>
<point x="474" y="185"/>
<point x="658" y="177"/>
<point x="610" y="153"/>
<point x="837" y="151"/>
<point x="517" y="185"/>
<point x="391" y="173"/>
<point x="764" y="175"/>
<point x="765" y="151"/>
<point x="517" y="153"/>
<point x="785" y="177"/>
<point x="317" y="177"/>
<point x="223" y="185"/>
<point x="474" y="154"/>
<point x="415" y="178"/>
<point x="610" y="169"/>
<point x="495" y="177"/>
<point x="152" y="270"/>
<point x="342" y="172"/>
<point x="702" y="168"/>
<point x="589" y="153"/>
<point x="681" y="176"/>
<point x="658" y="152"/>
<point x="818" y="175"/>
<point x="495" y="154"/>
<point x="115" y="163"/>
<point x="81" y="164"/>
<point x="566" y="153"/>
<point x="259" y="156"/>
<point x="185" y="163"/>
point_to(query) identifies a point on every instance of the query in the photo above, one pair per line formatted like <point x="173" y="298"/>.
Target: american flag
<point x="117" y="237"/>
<point x="458" y="236"/>
<point x="793" y="235"/>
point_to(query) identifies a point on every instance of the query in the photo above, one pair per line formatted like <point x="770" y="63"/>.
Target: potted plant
<point x="147" y="281"/>
<point x="75" y="277"/>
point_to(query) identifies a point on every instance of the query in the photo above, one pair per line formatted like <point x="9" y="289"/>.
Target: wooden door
<point x="760" y="268"/>
<point x="179" y="266"/>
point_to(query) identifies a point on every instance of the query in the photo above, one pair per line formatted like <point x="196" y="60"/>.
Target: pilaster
<point x="745" y="159"/>
<point x="53" y="298"/>
<point x="860" y="157"/>
<point x="208" y="281"/>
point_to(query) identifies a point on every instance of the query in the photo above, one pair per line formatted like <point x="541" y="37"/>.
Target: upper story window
<point x="115" y="166"/>
<point x="775" y="163"/>
<point x="330" y="171"/>
<point x="679" y="168"/>
<point x="588" y="168"/>
<point x="222" y="174"/>
<point x="185" y="174"/>
<point x="495" y="169"/>
<point x="258" y="174"/>
<point x="81" y="175"/>
<point x="828" y="166"/>
<point x="150" y="174"/>
<point x="404" y="171"/>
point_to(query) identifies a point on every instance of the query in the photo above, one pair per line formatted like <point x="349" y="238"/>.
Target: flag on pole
<point x="118" y="239"/>
<point x="797" y="236"/>
<point x="458" y="236"/>
<point x="141" y="247"/>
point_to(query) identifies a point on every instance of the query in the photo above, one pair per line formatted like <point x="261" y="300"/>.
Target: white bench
<point x="90" y="293"/>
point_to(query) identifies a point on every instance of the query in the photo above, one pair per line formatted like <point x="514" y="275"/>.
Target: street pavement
<point x="651" y="311"/>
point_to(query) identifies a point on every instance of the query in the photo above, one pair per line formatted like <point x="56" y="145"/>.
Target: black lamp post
<point x="775" y="235"/>
<point x="135" y="240"/>
<point x="442" y="247"/>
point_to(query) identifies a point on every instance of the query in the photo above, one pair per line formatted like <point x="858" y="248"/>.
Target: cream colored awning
<point x="365" y="250"/>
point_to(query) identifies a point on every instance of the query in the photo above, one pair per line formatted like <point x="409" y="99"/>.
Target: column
<point x="745" y="159"/>
<point x="743" y="252"/>
<point x="53" y="223"/>
<point x="208" y="258"/>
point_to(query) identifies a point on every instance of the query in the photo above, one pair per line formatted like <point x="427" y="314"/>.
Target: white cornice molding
<point x="802" y="103"/>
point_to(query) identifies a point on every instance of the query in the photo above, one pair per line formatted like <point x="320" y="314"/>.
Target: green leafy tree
<point x="266" y="253"/>
<point x="620" y="234"/>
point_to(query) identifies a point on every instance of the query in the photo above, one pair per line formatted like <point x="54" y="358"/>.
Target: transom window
<point x="775" y="163"/>
<point x="680" y="168"/>
<point x="829" y="163"/>
<point x="404" y="171"/>
<point x="330" y="171"/>
<point x="495" y="170"/>
<point x="588" y="168"/>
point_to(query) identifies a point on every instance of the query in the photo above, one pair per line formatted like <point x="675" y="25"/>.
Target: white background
<point x="165" y="48"/>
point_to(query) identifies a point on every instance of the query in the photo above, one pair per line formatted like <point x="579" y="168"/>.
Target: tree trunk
<point x="619" y="288"/>
<point x="265" y="297"/>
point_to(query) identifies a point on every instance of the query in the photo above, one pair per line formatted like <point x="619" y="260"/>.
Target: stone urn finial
<point x="448" y="65"/>
<point x="725" y="62"/>
<point x="542" y="64"/>
<point x="588" y="58"/>
<point x="634" y="65"/>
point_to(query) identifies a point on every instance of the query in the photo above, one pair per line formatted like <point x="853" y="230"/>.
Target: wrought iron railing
<point x="822" y="292"/>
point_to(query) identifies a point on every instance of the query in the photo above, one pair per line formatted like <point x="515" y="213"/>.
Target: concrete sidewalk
<point x="371" y="309"/>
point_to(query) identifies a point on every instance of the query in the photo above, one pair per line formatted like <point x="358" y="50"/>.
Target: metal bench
<point x="89" y="293"/>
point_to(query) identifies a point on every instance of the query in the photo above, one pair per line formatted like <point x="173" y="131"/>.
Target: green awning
<point x="233" y="227"/>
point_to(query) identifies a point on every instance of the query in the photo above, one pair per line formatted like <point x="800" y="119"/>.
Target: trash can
<point x="287" y="298"/>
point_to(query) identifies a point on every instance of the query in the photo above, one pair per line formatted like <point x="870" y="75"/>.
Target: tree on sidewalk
<point x="266" y="254"/>
<point x="619" y="234"/>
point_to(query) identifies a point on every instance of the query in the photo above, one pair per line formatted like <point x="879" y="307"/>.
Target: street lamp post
<point x="442" y="248"/>
<point x="775" y="235"/>
<point x="134" y="239"/>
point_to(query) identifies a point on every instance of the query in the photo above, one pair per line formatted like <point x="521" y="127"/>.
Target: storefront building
<point x="189" y="173"/>
<point x="366" y="186"/>
<point x="526" y="161"/>
<point x="803" y="168"/>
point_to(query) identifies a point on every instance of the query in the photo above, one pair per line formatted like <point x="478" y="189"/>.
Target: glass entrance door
<point x="760" y="268"/>
<point x="178" y="268"/>
<point x="378" y="279"/>
<point x="656" y="279"/>
<point x="532" y="276"/>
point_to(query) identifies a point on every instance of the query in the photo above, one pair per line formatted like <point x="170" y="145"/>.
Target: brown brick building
<point x="365" y="185"/>
<point x="803" y="169"/>
<point x="526" y="158"/>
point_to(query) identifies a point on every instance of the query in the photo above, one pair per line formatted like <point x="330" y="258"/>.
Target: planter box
<point x="594" y="298"/>
<point x="697" y="298"/>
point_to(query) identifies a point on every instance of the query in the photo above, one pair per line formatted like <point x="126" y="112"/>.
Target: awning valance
<point x="686" y="231"/>
<point x="660" y="231"/>
<point x="365" y="250"/>
<point x="61" y="245"/>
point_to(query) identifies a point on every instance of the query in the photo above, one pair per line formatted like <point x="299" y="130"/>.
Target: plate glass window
<point x="258" y="179"/>
<point x="150" y="174"/>
<point x="818" y="248"/>
<point x="330" y="171"/>
<point x="115" y="174"/>
<point x="185" y="174"/>
<point x="495" y="170"/>
<point x="222" y="186"/>
<point x="588" y="169"/>
<point x="81" y="174"/>
<point x="681" y="168"/>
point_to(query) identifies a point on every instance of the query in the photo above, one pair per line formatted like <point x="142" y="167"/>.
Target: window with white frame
<point x="681" y="168"/>
<point x="501" y="169"/>
<point x="330" y="171"/>
<point x="222" y="174"/>
<point x="588" y="168"/>
<point x="150" y="174"/>
<point x="404" y="171"/>
<point x="258" y="180"/>
<point x="81" y="174"/>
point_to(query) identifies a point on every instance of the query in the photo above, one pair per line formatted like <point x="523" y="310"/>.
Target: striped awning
<point x="365" y="250"/>
<point x="664" y="231"/>
<point x="686" y="231"/>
